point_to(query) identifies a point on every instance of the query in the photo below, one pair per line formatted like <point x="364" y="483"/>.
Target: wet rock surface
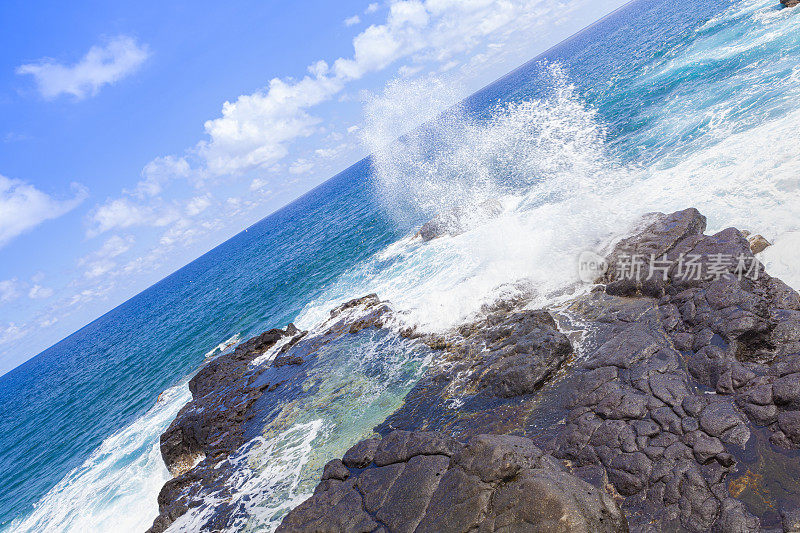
<point x="234" y="396"/>
<point x="210" y="425"/>
<point x="428" y="482"/>
<point x="459" y="220"/>
<point x="490" y="372"/>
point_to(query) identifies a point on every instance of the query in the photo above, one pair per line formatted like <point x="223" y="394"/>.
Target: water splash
<point x="545" y="159"/>
<point x="541" y="148"/>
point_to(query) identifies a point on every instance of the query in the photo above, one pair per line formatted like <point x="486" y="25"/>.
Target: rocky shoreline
<point x="673" y="404"/>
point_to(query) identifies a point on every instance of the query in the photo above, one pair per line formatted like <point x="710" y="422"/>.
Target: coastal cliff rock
<point x="665" y="399"/>
<point x="428" y="482"/>
<point x="489" y="374"/>
<point x="210" y="425"/>
<point x="684" y="377"/>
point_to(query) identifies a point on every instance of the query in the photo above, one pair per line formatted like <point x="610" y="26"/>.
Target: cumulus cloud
<point x="259" y="184"/>
<point x="120" y="213"/>
<point x="301" y="166"/>
<point x="198" y="204"/>
<point x="102" y="65"/>
<point x="8" y="290"/>
<point x="372" y="8"/>
<point x="125" y="213"/>
<point x="101" y="261"/>
<point x="37" y="292"/>
<point x="255" y="130"/>
<point x="352" y="21"/>
<point x="12" y="332"/>
<point x="158" y="172"/>
<point x="23" y="207"/>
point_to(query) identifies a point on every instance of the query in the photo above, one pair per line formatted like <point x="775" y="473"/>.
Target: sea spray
<point x="544" y="159"/>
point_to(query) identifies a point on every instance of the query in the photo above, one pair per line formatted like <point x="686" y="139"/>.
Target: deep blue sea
<point x="660" y="106"/>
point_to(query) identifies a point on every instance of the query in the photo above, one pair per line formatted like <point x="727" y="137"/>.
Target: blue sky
<point x="136" y="136"/>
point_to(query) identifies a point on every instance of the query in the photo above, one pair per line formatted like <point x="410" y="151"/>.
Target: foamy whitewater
<point x="658" y="108"/>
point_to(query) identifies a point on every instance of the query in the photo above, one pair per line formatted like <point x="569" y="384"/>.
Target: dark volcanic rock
<point x="427" y="482"/>
<point x="210" y="425"/>
<point x="226" y="394"/>
<point x="674" y="366"/>
<point x="459" y="220"/>
<point x="489" y="373"/>
<point x="790" y="3"/>
<point x="682" y="401"/>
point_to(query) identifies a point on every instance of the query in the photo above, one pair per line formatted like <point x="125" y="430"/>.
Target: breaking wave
<point x="115" y="489"/>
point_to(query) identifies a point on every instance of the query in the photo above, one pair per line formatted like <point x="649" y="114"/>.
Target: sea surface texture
<point x="659" y="107"/>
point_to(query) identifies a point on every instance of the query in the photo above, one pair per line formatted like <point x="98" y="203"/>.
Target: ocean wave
<point x="115" y="489"/>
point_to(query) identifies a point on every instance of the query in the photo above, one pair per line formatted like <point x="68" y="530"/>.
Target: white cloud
<point x="197" y="205"/>
<point x="23" y="207"/>
<point x="87" y="295"/>
<point x="372" y="8"/>
<point x="255" y="130"/>
<point x="118" y="214"/>
<point x="182" y="232"/>
<point x="13" y="137"/>
<point x="12" y="332"/>
<point x="8" y="290"/>
<point x="301" y="166"/>
<point x="100" y="262"/>
<point x="115" y="246"/>
<point x="158" y="172"/>
<point x="258" y="184"/>
<point x="123" y="213"/>
<point x="99" y="268"/>
<point x="38" y="292"/>
<point x="352" y="21"/>
<point x="102" y="65"/>
<point x="330" y="153"/>
<point x="47" y="321"/>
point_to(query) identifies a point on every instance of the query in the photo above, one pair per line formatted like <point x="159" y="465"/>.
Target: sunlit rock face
<point x="428" y="482"/>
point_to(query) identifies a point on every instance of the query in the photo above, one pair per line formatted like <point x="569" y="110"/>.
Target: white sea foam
<point x="356" y="383"/>
<point x="224" y="345"/>
<point x="115" y="489"/>
<point x="564" y="191"/>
